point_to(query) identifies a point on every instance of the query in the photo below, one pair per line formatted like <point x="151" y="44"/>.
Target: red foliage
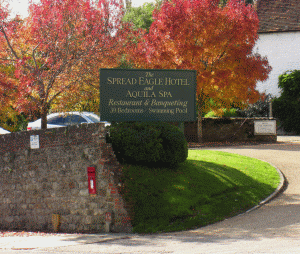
<point x="216" y="42"/>
<point x="60" y="46"/>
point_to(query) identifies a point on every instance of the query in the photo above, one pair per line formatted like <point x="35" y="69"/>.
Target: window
<point x="94" y="119"/>
<point x="74" y="119"/>
<point x="57" y="120"/>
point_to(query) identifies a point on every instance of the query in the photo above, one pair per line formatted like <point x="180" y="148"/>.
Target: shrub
<point x="13" y="121"/>
<point x="153" y="144"/>
<point x="223" y="113"/>
<point x="257" y="109"/>
<point x="287" y="107"/>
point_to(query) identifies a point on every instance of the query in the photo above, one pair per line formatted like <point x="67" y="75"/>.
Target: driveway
<point x="272" y="228"/>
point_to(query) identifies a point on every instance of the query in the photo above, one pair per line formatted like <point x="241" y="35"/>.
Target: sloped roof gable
<point x="278" y="15"/>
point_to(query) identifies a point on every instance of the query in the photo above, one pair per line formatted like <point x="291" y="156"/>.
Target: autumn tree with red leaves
<point x="8" y="91"/>
<point x="59" y="49"/>
<point x="214" y="40"/>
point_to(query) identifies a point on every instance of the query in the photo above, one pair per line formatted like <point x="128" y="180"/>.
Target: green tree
<point x="127" y="4"/>
<point x="287" y="107"/>
<point x="224" y="2"/>
<point x="141" y="16"/>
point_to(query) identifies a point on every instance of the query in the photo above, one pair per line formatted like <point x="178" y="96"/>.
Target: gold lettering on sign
<point x="179" y="110"/>
<point x="140" y="94"/>
<point x="124" y="103"/>
<point x="149" y="74"/>
<point x="130" y="111"/>
<point x="161" y="111"/>
<point x="122" y="81"/>
<point x="177" y="103"/>
<point x="177" y="81"/>
<point x="164" y="94"/>
<point x="148" y="88"/>
<point x="150" y="81"/>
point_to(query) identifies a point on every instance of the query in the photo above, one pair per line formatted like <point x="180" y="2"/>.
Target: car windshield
<point x="57" y="120"/>
<point x="74" y="119"/>
<point x="94" y="118"/>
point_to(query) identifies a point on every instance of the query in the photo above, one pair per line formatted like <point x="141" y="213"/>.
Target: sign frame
<point x="148" y="95"/>
<point x="34" y="142"/>
<point x="265" y="127"/>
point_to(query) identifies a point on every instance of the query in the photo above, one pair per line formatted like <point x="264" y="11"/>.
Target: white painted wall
<point x="283" y="53"/>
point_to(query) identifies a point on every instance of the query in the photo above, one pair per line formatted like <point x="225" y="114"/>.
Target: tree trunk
<point x="44" y="112"/>
<point x="199" y="129"/>
<point x="199" y="125"/>
<point x="128" y="4"/>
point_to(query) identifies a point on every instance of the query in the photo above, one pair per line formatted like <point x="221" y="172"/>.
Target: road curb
<point x="279" y="189"/>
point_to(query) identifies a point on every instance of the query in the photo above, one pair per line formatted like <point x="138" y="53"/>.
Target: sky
<point x="20" y="6"/>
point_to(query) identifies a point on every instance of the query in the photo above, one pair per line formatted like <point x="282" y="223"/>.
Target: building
<point x="279" y="39"/>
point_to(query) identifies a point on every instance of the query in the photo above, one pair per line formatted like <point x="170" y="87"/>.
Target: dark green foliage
<point x="258" y="109"/>
<point x="287" y="107"/>
<point x="230" y="112"/>
<point x="16" y="123"/>
<point x="153" y="144"/>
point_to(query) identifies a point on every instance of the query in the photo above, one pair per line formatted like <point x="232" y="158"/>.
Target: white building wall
<point x="283" y="52"/>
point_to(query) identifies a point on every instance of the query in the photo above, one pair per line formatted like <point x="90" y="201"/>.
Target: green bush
<point x="226" y="113"/>
<point x="288" y="114"/>
<point x="16" y="122"/>
<point x="154" y="144"/>
<point x="287" y="107"/>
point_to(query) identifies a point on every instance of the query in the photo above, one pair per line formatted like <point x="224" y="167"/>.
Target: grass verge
<point x="209" y="187"/>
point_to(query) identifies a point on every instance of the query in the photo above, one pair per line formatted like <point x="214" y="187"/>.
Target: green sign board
<point x="147" y="95"/>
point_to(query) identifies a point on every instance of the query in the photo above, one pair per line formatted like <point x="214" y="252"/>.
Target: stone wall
<point x="227" y="130"/>
<point x="36" y="183"/>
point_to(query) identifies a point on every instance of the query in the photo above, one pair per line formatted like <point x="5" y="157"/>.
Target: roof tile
<point x="278" y="15"/>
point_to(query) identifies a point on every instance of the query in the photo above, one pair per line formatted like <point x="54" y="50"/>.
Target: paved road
<point x="272" y="228"/>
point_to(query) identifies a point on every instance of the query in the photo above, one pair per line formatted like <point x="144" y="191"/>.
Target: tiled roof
<point x="278" y="15"/>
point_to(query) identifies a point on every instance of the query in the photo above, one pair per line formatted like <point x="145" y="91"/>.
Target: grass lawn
<point x="209" y="187"/>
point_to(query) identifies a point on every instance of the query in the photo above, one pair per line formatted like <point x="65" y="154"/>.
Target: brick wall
<point x="36" y="183"/>
<point x="227" y="130"/>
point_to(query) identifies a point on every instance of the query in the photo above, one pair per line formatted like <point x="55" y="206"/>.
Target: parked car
<point x="3" y="131"/>
<point x="56" y="120"/>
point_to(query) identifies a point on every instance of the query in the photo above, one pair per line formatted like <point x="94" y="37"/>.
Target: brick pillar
<point x="112" y="171"/>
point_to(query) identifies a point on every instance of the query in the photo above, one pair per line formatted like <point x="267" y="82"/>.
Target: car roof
<point x="71" y="113"/>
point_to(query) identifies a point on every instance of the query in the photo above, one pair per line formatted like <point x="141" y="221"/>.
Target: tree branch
<point x="8" y="43"/>
<point x="33" y="55"/>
